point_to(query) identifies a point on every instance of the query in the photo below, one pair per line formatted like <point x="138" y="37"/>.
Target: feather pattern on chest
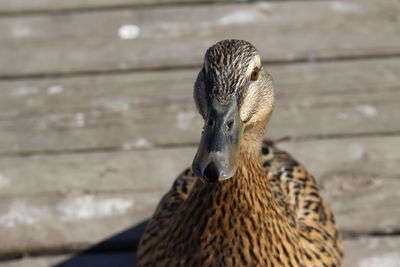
<point x="234" y="222"/>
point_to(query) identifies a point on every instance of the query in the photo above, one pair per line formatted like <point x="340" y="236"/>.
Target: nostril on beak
<point x="229" y="125"/>
<point x="211" y="173"/>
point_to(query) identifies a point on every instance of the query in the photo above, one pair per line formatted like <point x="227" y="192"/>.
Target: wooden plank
<point x="120" y="259"/>
<point x="93" y="173"/>
<point x="136" y="110"/>
<point x="144" y="170"/>
<point x="97" y="195"/>
<point x="74" y="221"/>
<point x="373" y="251"/>
<point x="179" y="35"/>
<point x="362" y="252"/>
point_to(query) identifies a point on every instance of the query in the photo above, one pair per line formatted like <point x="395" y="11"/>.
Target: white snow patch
<point x="240" y="17"/>
<point x="142" y="142"/>
<point x="21" y="214"/>
<point x="25" y="90"/>
<point x="88" y="207"/>
<point x="80" y="119"/>
<point x="345" y="7"/>
<point x="342" y="115"/>
<point x="184" y="119"/>
<point x="129" y="31"/>
<point x="19" y="31"/>
<point x="387" y="260"/>
<point x="55" y="89"/>
<point x="4" y="181"/>
<point x="367" y="110"/>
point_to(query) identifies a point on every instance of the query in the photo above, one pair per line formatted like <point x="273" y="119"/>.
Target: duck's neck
<point x="247" y="192"/>
<point x="241" y="215"/>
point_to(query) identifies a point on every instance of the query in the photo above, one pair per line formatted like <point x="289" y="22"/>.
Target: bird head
<point x="234" y="95"/>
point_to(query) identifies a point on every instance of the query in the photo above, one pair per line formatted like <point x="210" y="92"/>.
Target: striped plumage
<point x="269" y="213"/>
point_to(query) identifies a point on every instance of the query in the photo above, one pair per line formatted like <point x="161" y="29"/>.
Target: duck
<point x="243" y="202"/>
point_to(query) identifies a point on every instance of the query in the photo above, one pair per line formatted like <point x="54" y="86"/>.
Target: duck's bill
<point x="217" y="156"/>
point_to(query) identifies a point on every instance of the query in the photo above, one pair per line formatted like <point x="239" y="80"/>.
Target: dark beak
<point x="217" y="156"/>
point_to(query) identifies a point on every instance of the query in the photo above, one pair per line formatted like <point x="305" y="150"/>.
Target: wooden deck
<point x="97" y="116"/>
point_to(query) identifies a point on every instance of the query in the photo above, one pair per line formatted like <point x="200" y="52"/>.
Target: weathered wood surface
<point x="119" y="259"/>
<point x="42" y="196"/>
<point x="128" y="110"/>
<point x="178" y="35"/>
<point x="103" y="172"/>
<point x="362" y="252"/>
<point x="77" y="221"/>
<point x="373" y="252"/>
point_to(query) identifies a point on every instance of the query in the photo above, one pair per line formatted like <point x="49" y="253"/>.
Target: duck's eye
<point x="254" y="74"/>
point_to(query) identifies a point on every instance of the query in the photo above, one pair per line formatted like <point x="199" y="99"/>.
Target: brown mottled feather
<point x="276" y="220"/>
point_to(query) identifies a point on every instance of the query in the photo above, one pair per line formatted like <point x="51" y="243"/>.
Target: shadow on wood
<point x="118" y="250"/>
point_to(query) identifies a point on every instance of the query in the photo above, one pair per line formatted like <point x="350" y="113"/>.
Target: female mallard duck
<point x="253" y="205"/>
